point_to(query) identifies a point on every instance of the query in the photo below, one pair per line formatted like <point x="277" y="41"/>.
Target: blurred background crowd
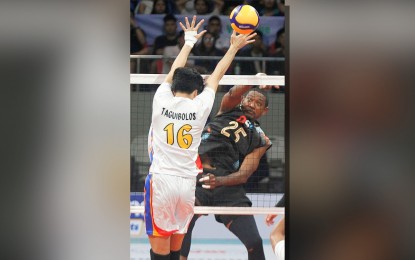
<point x="155" y="30"/>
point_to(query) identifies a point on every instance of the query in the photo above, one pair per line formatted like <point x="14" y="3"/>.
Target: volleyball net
<point x="265" y="186"/>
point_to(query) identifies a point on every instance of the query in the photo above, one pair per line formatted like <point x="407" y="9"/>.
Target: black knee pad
<point x="175" y="255"/>
<point x="155" y="256"/>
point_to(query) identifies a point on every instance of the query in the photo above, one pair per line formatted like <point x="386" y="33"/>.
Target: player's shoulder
<point x="206" y="97"/>
<point x="207" y="91"/>
<point x="164" y="89"/>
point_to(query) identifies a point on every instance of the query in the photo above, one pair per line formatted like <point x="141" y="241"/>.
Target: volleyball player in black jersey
<point x="232" y="136"/>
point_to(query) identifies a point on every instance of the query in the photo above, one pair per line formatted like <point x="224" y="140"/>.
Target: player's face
<point x="253" y="105"/>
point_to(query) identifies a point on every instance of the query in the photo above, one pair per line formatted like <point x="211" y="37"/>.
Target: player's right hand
<point x="266" y="87"/>
<point x="208" y="181"/>
<point x="239" y="41"/>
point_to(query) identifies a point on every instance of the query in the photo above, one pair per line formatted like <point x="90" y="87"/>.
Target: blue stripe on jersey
<point x="150" y="152"/>
<point x="236" y="165"/>
<point x="151" y="156"/>
<point x="147" y="210"/>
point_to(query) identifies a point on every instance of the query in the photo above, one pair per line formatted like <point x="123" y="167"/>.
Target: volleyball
<point x="244" y="19"/>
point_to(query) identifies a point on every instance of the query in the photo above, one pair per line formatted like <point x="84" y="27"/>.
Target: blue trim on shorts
<point x="147" y="209"/>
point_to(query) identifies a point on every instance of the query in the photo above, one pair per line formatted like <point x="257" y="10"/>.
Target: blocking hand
<point x="190" y="31"/>
<point x="241" y="40"/>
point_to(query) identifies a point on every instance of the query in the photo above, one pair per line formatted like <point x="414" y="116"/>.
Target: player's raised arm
<point x="237" y="42"/>
<point x="248" y="167"/>
<point x="234" y="96"/>
<point x="190" y="37"/>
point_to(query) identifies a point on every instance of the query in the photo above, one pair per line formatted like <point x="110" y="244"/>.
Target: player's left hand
<point x="208" y="181"/>
<point x="269" y="220"/>
<point x="266" y="87"/>
<point x="193" y="27"/>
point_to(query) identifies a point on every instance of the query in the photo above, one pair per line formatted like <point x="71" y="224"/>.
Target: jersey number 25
<point x="232" y="126"/>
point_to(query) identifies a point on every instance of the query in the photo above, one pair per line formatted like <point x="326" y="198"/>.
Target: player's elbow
<point x="243" y="179"/>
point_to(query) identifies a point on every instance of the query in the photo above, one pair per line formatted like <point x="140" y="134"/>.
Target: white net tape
<point x="226" y="80"/>
<point x="225" y="210"/>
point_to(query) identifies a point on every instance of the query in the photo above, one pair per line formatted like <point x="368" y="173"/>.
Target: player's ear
<point x="194" y="93"/>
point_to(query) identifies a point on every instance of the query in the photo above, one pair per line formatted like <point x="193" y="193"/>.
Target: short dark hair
<point x="169" y="17"/>
<point x="187" y="80"/>
<point x="263" y="92"/>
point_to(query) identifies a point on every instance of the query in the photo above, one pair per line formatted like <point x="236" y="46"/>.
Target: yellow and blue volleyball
<point x="244" y="19"/>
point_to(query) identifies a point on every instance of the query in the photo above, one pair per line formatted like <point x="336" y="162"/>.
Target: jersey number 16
<point x="183" y="140"/>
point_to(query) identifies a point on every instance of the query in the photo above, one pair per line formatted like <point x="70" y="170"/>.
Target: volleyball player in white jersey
<point x="181" y="106"/>
<point x="277" y="236"/>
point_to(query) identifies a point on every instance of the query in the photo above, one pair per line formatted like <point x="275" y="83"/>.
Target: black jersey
<point x="229" y="137"/>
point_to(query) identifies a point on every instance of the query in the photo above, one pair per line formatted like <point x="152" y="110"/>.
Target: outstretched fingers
<point x="187" y="22"/>
<point x="191" y="26"/>
<point x="181" y="25"/>
<point x="250" y="36"/>
<point x="199" y="24"/>
<point x="200" y="34"/>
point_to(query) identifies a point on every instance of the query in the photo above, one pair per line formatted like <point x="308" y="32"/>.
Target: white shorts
<point x="168" y="204"/>
<point x="279" y="250"/>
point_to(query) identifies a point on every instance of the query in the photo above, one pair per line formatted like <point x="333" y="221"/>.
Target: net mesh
<point x="264" y="184"/>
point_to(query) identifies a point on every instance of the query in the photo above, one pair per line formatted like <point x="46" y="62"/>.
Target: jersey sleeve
<point x="262" y="136"/>
<point x="164" y="91"/>
<point x="206" y="98"/>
